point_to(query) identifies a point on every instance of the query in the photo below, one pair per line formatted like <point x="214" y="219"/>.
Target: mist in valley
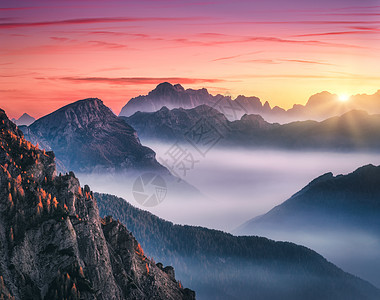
<point x="355" y="251"/>
<point x="234" y="185"/>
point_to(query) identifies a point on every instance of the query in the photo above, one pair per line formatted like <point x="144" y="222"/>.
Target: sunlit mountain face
<point x="237" y="143"/>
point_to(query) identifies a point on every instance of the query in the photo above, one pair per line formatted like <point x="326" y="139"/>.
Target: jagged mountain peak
<point x="26" y="116"/>
<point x="25" y="119"/>
<point x="179" y="87"/>
<point x="166" y="94"/>
<point x="82" y="111"/>
<point x="166" y="89"/>
<point x="167" y="86"/>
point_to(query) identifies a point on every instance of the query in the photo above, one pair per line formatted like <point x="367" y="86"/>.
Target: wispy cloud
<point x="301" y="61"/>
<point x="352" y="32"/>
<point x="230" y="39"/>
<point x="16" y="8"/>
<point x="356" y="14"/>
<point x="278" y="61"/>
<point x="345" y="76"/>
<point x="261" y="61"/>
<point x="134" y="80"/>
<point x="108" y="45"/>
<point x="235" y="56"/>
<point x="251" y="39"/>
<point x="116" y="33"/>
<point x="303" y="42"/>
<point x="86" y="21"/>
<point x="59" y="39"/>
<point x="301" y="22"/>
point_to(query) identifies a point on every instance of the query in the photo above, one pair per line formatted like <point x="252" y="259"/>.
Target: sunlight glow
<point x="343" y="97"/>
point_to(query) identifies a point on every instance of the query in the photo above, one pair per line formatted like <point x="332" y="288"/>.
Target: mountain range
<point x="86" y="135"/>
<point x="54" y="245"/>
<point x="354" y="130"/>
<point x="318" y="107"/>
<point x="338" y="216"/>
<point x="219" y="265"/>
<point x="175" y="96"/>
<point x="25" y="119"/>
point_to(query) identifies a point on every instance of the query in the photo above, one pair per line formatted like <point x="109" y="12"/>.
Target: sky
<point x="56" y="52"/>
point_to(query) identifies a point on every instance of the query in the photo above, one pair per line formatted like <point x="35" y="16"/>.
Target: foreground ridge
<point x="54" y="245"/>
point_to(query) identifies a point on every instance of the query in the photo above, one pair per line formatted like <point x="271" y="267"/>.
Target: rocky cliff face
<point x="54" y="245"/>
<point x="86" y="134"/>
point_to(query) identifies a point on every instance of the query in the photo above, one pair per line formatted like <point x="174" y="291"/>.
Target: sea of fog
<point x="236" y="184"/>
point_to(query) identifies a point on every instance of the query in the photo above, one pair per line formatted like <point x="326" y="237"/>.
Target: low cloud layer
<point x="237" y="184"/>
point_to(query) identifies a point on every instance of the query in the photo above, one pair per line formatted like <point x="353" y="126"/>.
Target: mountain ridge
<point x="233" y="260"/>
<point x="354" y="130"/>
<point x="54" y="245"/>
<point x="318" y="107"/>
<point x="343" y="209"/>
<point x="86" y="135"/>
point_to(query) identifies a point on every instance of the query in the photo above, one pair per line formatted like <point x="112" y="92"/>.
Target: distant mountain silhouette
<point x="319" y="106"/>
<point x="175" y="96"/>
<point x="324" y="105"/>
<point x="221" y="266"/>
<point x="54" y="245"/>
<point x="86" y="134"/>
<point x="355" y="130"/>
<point x="336" y="209"/>
<point x="25" y="119"/>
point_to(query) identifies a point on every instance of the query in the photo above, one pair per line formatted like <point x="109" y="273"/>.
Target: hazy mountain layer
<point x="222" y="266"/>
<point x="355" y="130"/>
<point x="339" y="216"/>
<point x="319" y="106"/>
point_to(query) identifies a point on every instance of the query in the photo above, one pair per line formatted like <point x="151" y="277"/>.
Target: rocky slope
<point x="222" y="266"/>
<point x="86" y="135"/>
<point x="54" y="245"/>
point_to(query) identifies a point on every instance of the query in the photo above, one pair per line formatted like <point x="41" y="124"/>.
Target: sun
<point x="343" y="97"/>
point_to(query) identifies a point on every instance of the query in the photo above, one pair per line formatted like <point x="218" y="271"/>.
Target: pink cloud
<point x="136" y="80"/>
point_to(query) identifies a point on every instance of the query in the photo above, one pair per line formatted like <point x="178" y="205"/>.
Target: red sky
<point x="55" y="52"/>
